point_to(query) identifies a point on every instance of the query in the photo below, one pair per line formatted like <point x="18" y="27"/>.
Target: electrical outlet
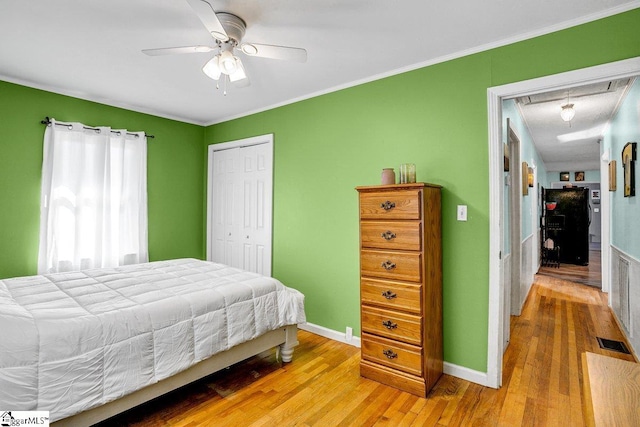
<point x="349" y="334"/>
<point x="462" y="212"/>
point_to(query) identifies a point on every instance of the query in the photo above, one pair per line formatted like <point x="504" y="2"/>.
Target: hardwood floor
<point x="586" y="274"/>
<point x="322" y="387"/>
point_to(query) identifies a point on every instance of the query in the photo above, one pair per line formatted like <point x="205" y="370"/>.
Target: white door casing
<point x="240" y="203"/>
<point x="515" y="231"/>
<point x="495" y="95"/>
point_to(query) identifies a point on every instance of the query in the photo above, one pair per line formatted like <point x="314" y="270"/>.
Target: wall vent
<point x="623" y="285"/>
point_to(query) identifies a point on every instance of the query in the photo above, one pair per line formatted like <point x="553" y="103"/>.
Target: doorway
<point x="616" y="70"/>
<point x="240" y="203"/>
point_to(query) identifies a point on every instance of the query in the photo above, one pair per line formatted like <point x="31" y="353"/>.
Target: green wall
<point x="175" y="184"/>
<point x="435" y="117"/>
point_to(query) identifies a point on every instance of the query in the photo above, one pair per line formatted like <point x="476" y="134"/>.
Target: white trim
<point x="615" y="70"/>
<point x="605" y="225"/>
<point x="466" y="374"/>
<point x="246" y="142"/>
<point x="626" y="255"/>
<point x="459" y="54"/>
<point x="330" y="333"/>
<point x="496" y="280"/>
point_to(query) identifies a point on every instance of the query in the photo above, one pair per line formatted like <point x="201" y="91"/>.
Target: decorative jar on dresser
<point x="401" y="285"/>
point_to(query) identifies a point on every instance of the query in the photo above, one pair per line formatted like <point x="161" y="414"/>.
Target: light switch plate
<point x="462" y="212"/>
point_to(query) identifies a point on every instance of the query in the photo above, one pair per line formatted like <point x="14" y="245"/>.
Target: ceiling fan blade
<point x="177" y="50"/>
<point x="207" y="15"/>
<point x="275" y="52"/>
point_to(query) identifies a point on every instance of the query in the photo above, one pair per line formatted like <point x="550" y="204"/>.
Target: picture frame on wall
<point x="579" y="176"/>
<point x="525" y="178"/>
<point x="612" y="175"/>
<point x="564" y="176"/>
<point x="628" y="164"/>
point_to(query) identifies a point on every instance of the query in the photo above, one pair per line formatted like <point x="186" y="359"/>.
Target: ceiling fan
<point x="227" y="31"/>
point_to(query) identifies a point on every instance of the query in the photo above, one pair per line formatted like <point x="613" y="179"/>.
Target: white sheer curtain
<point x="94" y="198"/>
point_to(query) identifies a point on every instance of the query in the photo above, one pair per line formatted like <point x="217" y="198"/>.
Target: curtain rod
<point x="47" y="121"/>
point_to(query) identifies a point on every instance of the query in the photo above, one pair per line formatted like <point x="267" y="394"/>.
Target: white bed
<point x="89" y="344"/>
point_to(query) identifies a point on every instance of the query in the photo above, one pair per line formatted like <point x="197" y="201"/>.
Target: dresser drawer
<point x="401" y="204"/>
<point x="391" y="265"/>
<point x="395" y="354"/>
<point x="405" y="235"/>
<point x="394" y="295"/>
<point x="392" y="324"/>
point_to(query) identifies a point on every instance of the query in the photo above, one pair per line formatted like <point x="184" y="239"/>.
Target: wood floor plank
<point x="542" y="379"/>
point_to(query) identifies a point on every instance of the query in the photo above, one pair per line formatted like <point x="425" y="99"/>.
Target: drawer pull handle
<point x="388" y="265"/>
<point x="388" y="235"/>
<point x="389" y="324"/>
<point x="387" y="205"/>
<point x="389" y="295"/>
<point x="390" y="354"/>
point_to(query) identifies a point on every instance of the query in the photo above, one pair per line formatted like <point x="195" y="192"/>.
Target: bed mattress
<point x="73" y="341"/>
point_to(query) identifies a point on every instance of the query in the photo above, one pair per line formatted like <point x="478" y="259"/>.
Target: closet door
<point x="240" y="207"/>
<point x="256" y="208"/>
<point x="227" y="177"/>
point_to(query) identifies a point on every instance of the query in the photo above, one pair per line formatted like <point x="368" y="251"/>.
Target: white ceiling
<point x="92" y="49"/>
<point x="573" y="145"/>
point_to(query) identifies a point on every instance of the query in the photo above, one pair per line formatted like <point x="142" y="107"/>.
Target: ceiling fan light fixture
<point x="228" y="63"/>
<point x="239" y="73"/>
<point x="249" y="49"/>
<point x="568" y="112"/>
<point x="212" y="68"/>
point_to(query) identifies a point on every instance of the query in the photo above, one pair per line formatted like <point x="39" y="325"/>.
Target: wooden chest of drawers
<point x="401" y="285"/>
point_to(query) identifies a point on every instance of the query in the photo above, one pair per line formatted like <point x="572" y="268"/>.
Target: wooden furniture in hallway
<point x="401" y="285"/>
<point x="611" y="391"/>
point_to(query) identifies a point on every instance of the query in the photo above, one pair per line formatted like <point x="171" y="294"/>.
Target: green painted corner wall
<point x="175" y="184"/>
<point x="435" y="117"/>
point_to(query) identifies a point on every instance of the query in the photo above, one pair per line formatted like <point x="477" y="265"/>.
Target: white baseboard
<point x="466" y="374"/>
<point x="329" y="333"/>
<point x="449" y="368"/>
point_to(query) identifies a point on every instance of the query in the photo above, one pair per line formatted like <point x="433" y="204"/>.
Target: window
<point x="94" y="198"/>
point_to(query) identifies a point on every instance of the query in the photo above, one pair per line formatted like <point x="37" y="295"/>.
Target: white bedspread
<point x="73" y="341"/>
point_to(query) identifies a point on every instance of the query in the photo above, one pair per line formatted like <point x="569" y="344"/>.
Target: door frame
<point x="495" y="95"/>
<point x="515" y="227"/>
<point x="240" y="143"/>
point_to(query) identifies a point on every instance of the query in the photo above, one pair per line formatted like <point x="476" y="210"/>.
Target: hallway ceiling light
<point x="568" y="112"/>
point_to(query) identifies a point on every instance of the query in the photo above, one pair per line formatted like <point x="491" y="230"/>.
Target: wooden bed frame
<point x="285" y="338"/>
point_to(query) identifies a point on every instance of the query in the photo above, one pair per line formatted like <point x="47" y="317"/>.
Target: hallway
<point x="542" y="368"/>
<point x="586" y="274"/>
